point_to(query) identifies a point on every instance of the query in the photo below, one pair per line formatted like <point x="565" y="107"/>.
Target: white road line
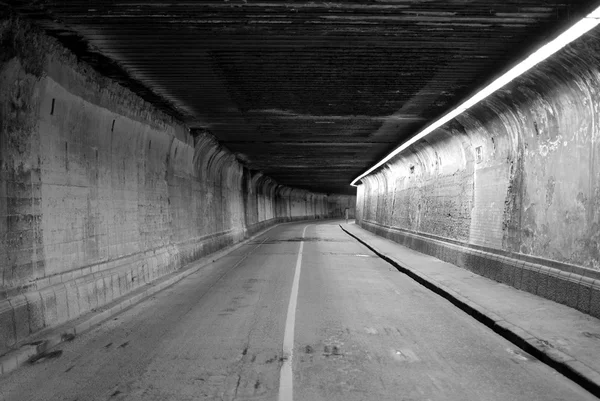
<point x="286" y="378"/>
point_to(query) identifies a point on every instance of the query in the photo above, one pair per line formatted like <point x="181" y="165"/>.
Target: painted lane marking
<point x="286" y="384"/>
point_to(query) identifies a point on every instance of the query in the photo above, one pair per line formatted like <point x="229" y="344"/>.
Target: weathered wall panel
<point x="515" y="178"/>
<point x="100" y="193"/>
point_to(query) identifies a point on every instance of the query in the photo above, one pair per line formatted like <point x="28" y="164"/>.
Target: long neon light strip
<point x="578" y="29"/>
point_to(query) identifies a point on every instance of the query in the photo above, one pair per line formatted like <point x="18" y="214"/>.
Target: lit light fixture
<point x="578" y="29"/>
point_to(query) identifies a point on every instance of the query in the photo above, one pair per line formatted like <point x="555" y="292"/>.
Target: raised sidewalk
<point x="562" y="337"/>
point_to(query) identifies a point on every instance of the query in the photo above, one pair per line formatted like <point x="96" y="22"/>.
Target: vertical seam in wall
<point x="170" y="221"/>
<point x="14" y="320"/>
<point x="393" y="201"/>
<point x="590" y="211"/>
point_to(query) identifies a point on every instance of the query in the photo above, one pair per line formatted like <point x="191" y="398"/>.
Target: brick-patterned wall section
<point x="516" y="176"/>
<point x="100" y="193"/>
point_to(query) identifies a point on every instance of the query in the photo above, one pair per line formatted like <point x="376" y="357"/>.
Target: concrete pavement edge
<point x="567" y="365"/>
<point x="37" y="348"/>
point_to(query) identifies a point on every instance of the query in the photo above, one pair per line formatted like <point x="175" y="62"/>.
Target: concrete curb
<point x="36" y="349"/>
<point x="563" y="363"/>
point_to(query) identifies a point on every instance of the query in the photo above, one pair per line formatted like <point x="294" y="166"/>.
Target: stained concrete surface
<point x="363" y="331"/>
<point x="515" y="174"/>
<point x="101" y="193"/>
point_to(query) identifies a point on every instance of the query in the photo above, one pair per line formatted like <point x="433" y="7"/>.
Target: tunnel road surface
<point x="362" y="331"/>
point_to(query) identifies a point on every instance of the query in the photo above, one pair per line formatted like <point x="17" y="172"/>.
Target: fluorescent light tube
<point x="580" y="28"/>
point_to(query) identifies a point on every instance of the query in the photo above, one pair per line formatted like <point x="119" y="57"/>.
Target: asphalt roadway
<point x="360" y="331"/>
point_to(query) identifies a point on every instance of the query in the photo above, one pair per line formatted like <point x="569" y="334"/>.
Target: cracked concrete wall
<point x="515" y="179"/>
<point x="100" y="193"/>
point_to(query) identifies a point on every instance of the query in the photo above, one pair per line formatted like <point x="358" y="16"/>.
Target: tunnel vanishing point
<point x="137" y="137"/>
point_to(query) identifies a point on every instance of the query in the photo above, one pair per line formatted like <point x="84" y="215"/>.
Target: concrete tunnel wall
<point x="511" y="188"/>
<point x="100" y="193"/>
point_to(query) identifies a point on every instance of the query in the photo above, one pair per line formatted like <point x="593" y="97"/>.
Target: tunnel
<point x="296" y="199"/>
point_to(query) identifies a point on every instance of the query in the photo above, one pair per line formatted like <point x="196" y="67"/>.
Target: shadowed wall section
<point x="511" y="188"/>
<point x="100" y="193"/>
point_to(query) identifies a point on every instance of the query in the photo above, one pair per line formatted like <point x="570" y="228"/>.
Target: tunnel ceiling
<point x="311" y="93"/>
